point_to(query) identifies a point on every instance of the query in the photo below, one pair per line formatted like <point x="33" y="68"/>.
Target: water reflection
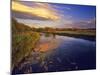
<point x="59" y="53"/>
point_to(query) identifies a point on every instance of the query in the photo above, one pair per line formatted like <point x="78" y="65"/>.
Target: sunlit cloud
<point x="42" y="10"/>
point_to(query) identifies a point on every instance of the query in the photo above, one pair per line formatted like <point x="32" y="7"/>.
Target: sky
<point x="35" y="14"/>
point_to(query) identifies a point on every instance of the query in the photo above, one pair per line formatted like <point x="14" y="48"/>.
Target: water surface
<point x="60" y="53"/>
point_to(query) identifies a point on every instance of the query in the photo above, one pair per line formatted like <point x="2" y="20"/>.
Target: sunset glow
<point x="41" y="12"/>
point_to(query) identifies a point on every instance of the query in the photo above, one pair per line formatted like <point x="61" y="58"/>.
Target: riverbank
<point x="88" y="35"/>
<point x="83" y="36"/>
<point x="72" y="32"/>
<point x="23" y="41"/>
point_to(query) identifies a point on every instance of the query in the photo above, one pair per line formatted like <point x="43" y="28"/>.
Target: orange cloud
<point x="44" y="11"/>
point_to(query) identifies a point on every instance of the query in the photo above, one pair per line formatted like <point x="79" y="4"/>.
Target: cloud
<point x="63" y="8"/>
<point x="38" y="23"/>
<point x="84" y="24"/>
<point x="27" y="16"/>
<point x="40" y="11"/>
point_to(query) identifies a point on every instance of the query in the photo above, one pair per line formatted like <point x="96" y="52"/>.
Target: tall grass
<point x="23" y="42"/>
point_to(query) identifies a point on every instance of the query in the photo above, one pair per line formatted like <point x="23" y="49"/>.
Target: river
<point x="60" y="53"/>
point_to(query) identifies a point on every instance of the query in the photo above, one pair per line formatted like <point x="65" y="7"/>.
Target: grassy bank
<point x="91" y="33"/>
<point x="85" y="34"/>
<point x="68" y="31"/>
<point x="23" y="42"/>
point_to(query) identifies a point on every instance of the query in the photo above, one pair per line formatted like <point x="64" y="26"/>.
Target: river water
<point x="60" y="53"/>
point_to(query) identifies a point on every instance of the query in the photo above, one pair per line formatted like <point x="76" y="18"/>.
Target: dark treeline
<point x="49" y="29"/>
